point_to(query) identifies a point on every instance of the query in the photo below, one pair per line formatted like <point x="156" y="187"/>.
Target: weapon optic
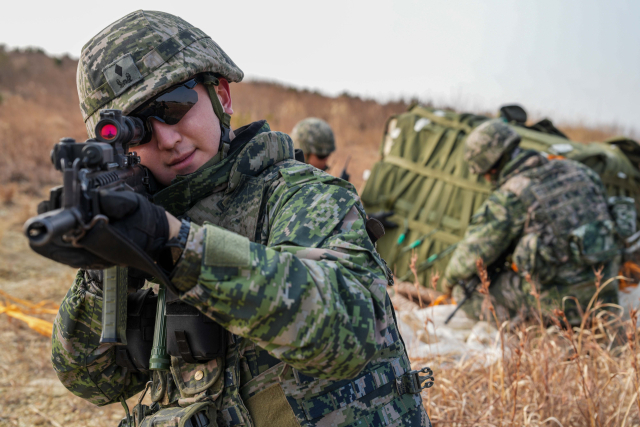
<point x="101" y="163"/>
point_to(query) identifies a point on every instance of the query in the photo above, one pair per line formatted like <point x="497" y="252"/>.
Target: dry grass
<point x="560" y="375"/>
<point x="30" y="393"/>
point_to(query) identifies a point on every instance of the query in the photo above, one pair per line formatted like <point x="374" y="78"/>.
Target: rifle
<point x="469" y="289"/>
<point x="73" y="210"/>
<point x="497" y="267"/>
<point x="344" y="175"/>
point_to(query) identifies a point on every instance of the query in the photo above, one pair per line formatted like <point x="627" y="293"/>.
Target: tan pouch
<point x="271" y="408"/>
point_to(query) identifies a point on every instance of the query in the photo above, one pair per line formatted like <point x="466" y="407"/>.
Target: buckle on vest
<point x="412" y="382"/>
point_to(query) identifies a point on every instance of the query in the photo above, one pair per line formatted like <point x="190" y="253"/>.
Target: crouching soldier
<point x="548" y="220"/>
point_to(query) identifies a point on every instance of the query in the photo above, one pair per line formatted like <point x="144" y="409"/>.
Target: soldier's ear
<point x="224" y="95"/>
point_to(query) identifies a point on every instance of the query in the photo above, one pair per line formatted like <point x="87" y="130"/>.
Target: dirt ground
<point x="30" y="393"/>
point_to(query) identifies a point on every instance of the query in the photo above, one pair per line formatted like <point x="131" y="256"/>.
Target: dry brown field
<point x="546" y="376"/>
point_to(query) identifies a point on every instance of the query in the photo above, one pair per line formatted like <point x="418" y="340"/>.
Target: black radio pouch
<point x="192" y="336"/>
<point x="141" y="318"/>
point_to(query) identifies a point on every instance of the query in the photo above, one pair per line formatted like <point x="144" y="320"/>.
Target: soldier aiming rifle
<point x="276" y="308"/>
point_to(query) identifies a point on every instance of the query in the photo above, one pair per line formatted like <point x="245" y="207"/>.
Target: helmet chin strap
<point x="210" y="82"/>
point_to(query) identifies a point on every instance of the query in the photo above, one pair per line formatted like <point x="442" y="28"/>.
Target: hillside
<point x="39" y="105"/>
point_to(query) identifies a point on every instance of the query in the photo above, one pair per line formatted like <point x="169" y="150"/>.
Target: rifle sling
<point x="103" y="236"/>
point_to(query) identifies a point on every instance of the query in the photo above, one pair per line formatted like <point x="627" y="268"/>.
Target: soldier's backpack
<point x="423" y="178"/>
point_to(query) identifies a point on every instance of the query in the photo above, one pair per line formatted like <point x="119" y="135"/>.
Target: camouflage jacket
<point x="538" y="211"/>
<point x="277" y="254"/>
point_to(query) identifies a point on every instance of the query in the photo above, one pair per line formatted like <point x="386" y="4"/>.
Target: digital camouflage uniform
<point x="277" y="254"/>
<point x="313" y="136"/>
<point x="554" y="219"/>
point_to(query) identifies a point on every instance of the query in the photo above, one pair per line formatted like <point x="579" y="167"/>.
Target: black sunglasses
<point x="168" y="107"/>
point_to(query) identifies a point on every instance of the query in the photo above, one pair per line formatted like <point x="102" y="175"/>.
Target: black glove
<point x="382" y="217"/>
<point x="135" y="236"/>
<point x="136" y="218"/>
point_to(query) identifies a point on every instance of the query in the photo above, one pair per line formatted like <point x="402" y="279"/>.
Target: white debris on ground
<point x="629" y="297"/>
<point x="425" y="334"/>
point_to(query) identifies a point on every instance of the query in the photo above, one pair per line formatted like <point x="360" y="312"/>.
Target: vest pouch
<point x="192" y="336"/>
<point x="593" y="243"/>
<point x="623" y="212"/>
<point x="533" y="257"/>
<point x="201" y="414"/>
<point x="141" y="315"/>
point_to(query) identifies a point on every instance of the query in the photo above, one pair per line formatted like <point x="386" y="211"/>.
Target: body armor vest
<point x="568" y="226"/>
<point x="249" y="387"/>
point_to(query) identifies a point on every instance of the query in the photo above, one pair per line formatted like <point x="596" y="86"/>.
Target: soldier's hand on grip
<point x="136" y="218"/>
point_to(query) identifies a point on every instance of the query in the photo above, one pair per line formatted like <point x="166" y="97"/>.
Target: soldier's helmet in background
<point x="487" y="143"/>
<point x="313" y="136"/>
<point x="141" y="55"/>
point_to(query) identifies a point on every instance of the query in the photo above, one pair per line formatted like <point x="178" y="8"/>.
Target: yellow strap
<point x="433" y="173"/>
<point x="42" y="327"/>
<point x="438" y="235"/>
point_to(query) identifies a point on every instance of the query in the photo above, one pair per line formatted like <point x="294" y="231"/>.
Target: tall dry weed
<point x="564" y="375"/>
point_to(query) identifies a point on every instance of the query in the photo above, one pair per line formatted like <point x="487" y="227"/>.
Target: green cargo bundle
<point x="423" y="178"/>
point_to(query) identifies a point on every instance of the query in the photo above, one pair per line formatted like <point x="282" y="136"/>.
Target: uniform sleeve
<point x="491" y="231"/>
<point x="83" y="365"/>
<point x="314" y="297"/>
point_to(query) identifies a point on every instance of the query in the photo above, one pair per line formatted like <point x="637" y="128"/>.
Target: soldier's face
<point x="182" y="148"/>
<point x="318" y="162"/>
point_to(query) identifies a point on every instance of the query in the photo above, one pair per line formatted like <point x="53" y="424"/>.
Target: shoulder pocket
<point x="298" y="174"/>
<point x="593" y="243"/>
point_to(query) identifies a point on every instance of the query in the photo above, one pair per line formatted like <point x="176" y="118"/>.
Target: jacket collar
<point x="254" y="149"/>
<point x="527" y="159"/>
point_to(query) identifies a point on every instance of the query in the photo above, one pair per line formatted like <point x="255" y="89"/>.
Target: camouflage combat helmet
<point x="141" y="55"/>
<point x="313" y="136"/>
<point x="487" y="143"/>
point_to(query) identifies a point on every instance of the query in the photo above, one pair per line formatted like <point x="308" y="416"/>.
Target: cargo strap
<point x="356" y="389"/>
<point x="406" y="383"/>
<point x="233" y="414"/>
<point x="394" y="411"/>
<point x="437" y="174"/>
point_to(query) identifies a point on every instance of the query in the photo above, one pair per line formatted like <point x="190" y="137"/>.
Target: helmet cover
<point x="487" y="143"/>
<point x="139" y="56"/>
<point x="313" y="136"/>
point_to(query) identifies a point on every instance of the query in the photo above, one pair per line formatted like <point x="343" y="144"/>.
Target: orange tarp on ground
<point x="22" y="310"/>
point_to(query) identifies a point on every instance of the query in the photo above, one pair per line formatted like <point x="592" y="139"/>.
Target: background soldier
<point x="547" y="219"/>
<point x="315" y="138"/>
<point x="274" y="251"/>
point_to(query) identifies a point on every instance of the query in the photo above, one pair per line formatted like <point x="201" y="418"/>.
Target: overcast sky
<point x="570" y="60"/>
